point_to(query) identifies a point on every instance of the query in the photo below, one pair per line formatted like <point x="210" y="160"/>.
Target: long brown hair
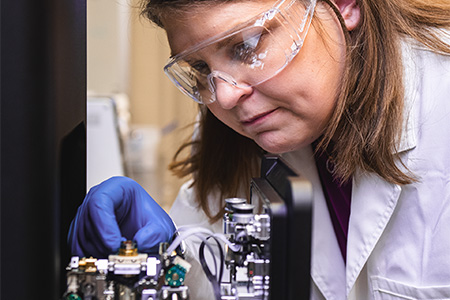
<point x="367" y="122"/>
<point x="220" y="160"/>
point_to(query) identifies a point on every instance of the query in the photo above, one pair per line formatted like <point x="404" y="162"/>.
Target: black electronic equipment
<point x="42" y="141"/>
<point x="287" y="198"/>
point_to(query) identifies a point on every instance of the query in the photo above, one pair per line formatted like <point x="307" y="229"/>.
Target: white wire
<point x="205" y="241"/>
<point x="202" y="233"/>
<point x="192" y="230"/>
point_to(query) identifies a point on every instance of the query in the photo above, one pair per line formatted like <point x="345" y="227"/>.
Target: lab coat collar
<point x="411" y="83"/>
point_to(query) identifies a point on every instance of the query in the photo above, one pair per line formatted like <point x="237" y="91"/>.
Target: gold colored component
<point x="88" y="264"/>
<point x="128" y="248"/>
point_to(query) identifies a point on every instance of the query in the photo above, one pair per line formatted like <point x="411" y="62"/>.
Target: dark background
<point x="43" y="143"/>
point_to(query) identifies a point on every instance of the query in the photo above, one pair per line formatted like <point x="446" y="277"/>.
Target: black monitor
<point x="287" y="197"/>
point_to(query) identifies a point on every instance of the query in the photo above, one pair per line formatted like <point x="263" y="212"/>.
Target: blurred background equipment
<point x="125" y="59"/>
<point x="104" y="143"/>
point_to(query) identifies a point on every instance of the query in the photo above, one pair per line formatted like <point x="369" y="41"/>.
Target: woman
<point x="357" y="102"/>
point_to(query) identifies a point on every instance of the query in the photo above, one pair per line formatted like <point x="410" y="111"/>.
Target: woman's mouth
<point x="257" y="118"/>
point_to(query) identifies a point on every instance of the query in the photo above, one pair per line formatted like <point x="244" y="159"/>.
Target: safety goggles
<point x="244" y="56"/>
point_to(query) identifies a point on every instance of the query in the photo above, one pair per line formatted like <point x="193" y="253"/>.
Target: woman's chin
<point x="276" y="144"/>
<point x="278" y="148"/>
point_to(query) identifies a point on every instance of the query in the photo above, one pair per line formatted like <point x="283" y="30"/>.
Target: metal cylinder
<point x="229" y="223"/>
<point x="243" y="213"/>
<point x="230" y="202"/>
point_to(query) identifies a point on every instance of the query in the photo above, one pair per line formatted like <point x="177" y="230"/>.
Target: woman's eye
<point x="247" y="51"/>
<point x="244" y="52"/>
<point x="201" y="67"/>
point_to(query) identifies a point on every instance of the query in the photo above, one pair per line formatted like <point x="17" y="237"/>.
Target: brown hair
<point x="220" y="159"/>
<point x="367" y="122"/>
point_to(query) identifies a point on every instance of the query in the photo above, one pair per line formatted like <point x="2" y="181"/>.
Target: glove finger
<point x="94" y="231"/>
<point x="74" y="238"/>
<point x="125" y="194"/>
<point x="119" y="190"/>
<point x="100" y="228"/>
<point x="153" y="233"/>
<point x="144" y="210"/>
<point x="86" y="240"/>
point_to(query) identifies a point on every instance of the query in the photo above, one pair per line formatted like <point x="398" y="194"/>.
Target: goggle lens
<point x="246" y="56"/>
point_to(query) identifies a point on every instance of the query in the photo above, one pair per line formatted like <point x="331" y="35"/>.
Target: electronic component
<point x="249" y="267"/>
<point x="128" y="275"/>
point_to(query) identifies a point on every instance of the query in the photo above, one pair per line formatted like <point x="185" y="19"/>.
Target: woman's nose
<point x="228" y="95"/>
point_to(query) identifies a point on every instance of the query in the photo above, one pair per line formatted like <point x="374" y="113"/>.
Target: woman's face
<point x="288" y="111"/>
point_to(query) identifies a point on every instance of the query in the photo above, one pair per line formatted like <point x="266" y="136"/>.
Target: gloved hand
<point x="118" y="209"/>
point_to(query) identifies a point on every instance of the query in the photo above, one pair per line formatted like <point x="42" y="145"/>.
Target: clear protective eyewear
<point x="244" y="56"/>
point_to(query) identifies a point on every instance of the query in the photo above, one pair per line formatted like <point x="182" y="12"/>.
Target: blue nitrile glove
<point x="118" y="209"/>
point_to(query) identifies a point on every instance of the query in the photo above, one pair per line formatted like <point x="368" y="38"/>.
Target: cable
<point x="214" y="279"/>
<point x="203" y="238"/>
<point x="204" y="235"/>
<point x="199" y="231"/>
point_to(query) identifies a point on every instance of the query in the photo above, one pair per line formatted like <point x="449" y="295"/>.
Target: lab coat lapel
<point x="373" y="202"/>
<point x="373" y="199"/>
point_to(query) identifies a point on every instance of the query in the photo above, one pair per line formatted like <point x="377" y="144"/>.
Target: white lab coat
<point x="399" y="236"/>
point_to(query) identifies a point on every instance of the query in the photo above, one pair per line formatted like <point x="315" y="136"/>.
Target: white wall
<point x="108" y="44"/>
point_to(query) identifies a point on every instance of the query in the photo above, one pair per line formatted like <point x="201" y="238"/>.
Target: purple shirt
<point x="338" y="196"/>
